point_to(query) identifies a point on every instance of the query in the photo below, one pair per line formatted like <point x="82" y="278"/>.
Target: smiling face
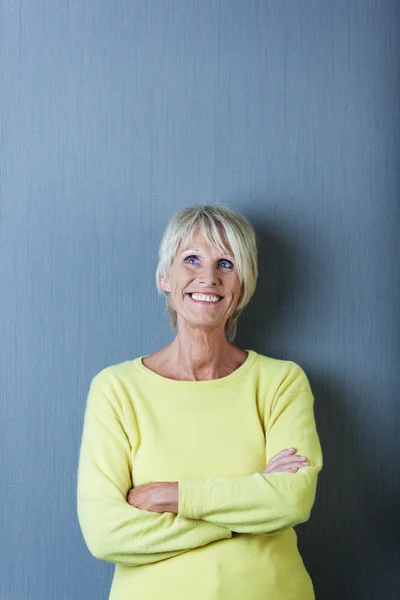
<point x="203" y="283"/>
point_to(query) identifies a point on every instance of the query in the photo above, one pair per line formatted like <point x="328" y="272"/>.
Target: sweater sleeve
<point x="114" y="530"/>
<point x="273" y="502"/>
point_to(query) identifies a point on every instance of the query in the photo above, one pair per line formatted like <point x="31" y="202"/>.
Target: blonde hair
<point x="214" y="221"/>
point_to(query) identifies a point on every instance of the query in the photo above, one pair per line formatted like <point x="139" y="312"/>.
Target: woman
<point x="197" y="461"/>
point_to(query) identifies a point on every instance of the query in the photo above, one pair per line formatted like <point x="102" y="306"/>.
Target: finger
<point x="288" y="467"/>
<point x="286" y="451"/>
<point x="295" y="467"/>
<point x="279" y="459"/>
<point x="289" y="460"/>
<point x="282" y="454"/>
<point x="294" y="462"/>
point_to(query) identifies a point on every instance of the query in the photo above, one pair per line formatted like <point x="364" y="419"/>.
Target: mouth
<point x="200" y="298"/>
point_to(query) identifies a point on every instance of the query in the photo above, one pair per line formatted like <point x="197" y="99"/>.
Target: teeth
<point x="205" y="298"/>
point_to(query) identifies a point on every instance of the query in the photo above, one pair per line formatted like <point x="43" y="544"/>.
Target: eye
<point x="226" y="264"/>
<point x="190" y="260"/>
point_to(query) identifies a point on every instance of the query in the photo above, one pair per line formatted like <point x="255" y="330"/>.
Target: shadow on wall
<point x="278" y="283"/>
<point x="350" y="537"/>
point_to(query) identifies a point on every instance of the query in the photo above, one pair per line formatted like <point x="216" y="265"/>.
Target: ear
<point x="164" y="284"/>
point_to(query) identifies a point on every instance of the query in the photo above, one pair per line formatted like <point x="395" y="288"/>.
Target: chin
<point x="204" y="323"/>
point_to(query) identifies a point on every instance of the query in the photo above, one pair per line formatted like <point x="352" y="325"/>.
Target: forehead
<point x="198" y="239"/>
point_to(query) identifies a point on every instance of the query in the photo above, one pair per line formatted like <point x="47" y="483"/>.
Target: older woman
<point x="198" y="460"/>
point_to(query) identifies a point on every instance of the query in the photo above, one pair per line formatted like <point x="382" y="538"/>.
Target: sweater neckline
<point x="208" y="383"/>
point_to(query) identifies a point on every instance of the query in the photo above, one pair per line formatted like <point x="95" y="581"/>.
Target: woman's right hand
<point x="285" y="461"/>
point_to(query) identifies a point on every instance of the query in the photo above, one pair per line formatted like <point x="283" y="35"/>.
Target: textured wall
<point x="114" y="114"/>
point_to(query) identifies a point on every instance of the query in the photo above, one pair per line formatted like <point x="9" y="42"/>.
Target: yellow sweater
<point x="233" y="537"/>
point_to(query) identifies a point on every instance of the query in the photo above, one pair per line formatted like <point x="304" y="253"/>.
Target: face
<point x="203" y="283"/>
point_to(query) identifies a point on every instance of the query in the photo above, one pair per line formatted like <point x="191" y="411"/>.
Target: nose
<point x="209" y="276"/>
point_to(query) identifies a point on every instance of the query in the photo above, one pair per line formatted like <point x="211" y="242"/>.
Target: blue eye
<point x="223" y="263"/>
<point x="226" y="264"/>
<point x="189" y="259"/>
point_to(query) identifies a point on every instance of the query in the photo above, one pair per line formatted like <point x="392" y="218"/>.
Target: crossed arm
<point x="163" y="496"/>
<point x="113" y="530"/>
<point x="160" y="520"/>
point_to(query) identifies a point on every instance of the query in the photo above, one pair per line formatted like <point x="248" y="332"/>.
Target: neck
<point x="199" y="354"/>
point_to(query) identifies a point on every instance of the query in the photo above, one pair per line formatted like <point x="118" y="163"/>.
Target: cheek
<point x="179" y="287"/>
<point x="235" y="287"/>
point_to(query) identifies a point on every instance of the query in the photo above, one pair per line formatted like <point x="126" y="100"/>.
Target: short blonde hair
<point x="214" y="221"/>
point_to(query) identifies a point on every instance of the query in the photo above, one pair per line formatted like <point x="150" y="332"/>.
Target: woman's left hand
<point x="155" y="497"/>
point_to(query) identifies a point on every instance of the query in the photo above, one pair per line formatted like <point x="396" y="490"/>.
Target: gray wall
<point x="114" y="115"/>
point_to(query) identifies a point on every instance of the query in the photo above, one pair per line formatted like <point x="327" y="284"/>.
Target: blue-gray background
<point x="115" y="114"/>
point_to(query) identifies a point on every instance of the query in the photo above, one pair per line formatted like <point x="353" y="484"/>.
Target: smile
<point x="209" y="298"/>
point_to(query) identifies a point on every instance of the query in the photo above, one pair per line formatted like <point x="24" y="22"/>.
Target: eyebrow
<point x="190" y="250"/>
<point x="197" y="250"/>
